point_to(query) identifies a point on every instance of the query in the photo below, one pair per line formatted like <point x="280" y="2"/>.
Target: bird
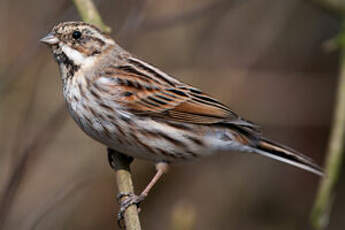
<point x="138" y="110"/>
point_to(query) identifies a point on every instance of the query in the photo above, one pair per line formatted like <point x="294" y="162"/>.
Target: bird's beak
<point x="50" y="39"/>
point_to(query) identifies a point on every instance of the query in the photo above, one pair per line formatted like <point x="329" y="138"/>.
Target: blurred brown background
<point x="265" y="59"/>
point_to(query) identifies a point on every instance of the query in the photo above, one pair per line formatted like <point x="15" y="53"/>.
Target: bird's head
<point x="77" y="42"/>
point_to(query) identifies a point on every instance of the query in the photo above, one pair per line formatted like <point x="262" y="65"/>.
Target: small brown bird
<point x="138" y="110"/>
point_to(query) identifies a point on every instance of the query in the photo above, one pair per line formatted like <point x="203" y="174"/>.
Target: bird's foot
<point x="130" y="199"/>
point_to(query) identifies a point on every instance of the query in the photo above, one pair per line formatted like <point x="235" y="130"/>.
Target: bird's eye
<point x="76" y="34"/>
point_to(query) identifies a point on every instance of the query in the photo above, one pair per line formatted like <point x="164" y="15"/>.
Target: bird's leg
<point x="120" y="161"/>
<point x="161" y="167"/>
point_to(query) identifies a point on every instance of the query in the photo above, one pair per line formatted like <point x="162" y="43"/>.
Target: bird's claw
<point x="120" y="195"/>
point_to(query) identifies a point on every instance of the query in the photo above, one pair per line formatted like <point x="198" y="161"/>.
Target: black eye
<point x="76" y="34"/>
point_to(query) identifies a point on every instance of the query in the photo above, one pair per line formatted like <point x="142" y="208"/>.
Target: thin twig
<point x="119" y="162"/>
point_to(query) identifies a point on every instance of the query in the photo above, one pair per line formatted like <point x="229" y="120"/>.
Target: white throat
<point x="77" y="57"/>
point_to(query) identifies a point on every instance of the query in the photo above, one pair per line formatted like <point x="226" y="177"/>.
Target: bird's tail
<point x="285" y="154"/>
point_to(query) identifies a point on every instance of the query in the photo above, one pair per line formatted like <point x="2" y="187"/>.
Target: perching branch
<point x="323" y="204"/>
<point x="119" y="162"/>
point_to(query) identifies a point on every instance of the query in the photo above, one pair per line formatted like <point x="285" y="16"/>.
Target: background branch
<point x="326" y="194"/>
<point x="89" y="14"/>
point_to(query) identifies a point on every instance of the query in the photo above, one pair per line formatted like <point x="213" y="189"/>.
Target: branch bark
<point x="120" y="163"/>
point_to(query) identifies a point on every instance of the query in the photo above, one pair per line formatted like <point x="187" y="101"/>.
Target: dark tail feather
<point x="285" y="154"/>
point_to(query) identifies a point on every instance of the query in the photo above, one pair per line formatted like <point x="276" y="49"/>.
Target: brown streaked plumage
<point x="138" y="110"/>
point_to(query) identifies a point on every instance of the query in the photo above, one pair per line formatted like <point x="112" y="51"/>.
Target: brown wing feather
<point x="149" y="97"/>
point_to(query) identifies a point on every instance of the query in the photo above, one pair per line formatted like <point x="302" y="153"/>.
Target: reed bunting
<point x="137" y="109"/>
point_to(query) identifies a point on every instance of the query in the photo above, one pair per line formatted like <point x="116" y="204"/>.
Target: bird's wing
<point x="146" y="91"/>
